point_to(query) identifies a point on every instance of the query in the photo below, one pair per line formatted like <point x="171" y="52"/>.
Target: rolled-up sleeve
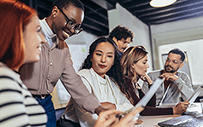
<point x="74" y="85"/>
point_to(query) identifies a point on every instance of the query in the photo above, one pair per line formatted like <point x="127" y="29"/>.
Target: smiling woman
<point x="21" y="40"/>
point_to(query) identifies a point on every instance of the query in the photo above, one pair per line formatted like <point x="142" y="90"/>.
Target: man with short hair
<point x="176" y="85"/>
<point x="122" y="36"/>
<point x="55" y="61"/>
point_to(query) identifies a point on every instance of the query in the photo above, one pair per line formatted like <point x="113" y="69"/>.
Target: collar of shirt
<point x="49" y="35"/>
<point x="101" y="80"/>
<point x="120" y="54"/>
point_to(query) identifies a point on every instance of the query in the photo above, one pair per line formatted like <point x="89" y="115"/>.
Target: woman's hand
<point x="109" y="119"/>
<point x="108" y="105"/>
<point x="181" y="107"/>
<point x="147" y="79"/>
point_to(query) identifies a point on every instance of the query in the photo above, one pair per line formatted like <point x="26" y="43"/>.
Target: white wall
<point x="120" y="16"/>
<point x="82" y="38"/>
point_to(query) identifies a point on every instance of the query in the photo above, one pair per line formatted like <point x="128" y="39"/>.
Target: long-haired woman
<point x="101" y="73"/>
<point x="134" y="64"/>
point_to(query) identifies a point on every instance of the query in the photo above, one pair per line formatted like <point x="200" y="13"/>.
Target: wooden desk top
<point x="152" y="121"/>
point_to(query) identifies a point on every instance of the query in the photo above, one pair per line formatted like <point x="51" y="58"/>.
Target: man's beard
<point x="171" y="71"/>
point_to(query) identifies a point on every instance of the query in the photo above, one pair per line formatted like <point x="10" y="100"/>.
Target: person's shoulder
<point x="84" y="72"/>
<point x="182" y="73"/>
<point x="5" y="71"/>
<point x="9" y="77"/>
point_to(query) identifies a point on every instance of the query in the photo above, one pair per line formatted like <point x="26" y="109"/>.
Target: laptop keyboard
<point x="196" y="122"/>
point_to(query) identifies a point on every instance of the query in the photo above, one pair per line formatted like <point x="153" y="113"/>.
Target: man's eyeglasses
<point x="71" y="25"/>
<point x="173" y="61"/>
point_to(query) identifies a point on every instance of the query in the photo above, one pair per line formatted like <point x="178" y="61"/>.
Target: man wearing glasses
<point x="177" y="84"/>
<point x="55" y="62"/>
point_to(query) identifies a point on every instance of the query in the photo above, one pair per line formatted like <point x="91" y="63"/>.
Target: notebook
<point x="184" y="121"/>
<point x="190" y="100"/>
<point x="143" y="102"/>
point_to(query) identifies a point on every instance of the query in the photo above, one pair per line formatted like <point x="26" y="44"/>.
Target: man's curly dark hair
<point x="120" y="32"/>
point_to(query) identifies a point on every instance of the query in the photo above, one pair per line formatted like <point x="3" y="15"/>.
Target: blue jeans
<point x="47" y="104"/>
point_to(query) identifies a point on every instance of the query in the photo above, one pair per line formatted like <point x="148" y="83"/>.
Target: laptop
<point x="143" y="102"/>
<point x="184" y="121"/>
<point x="190" y="100"/>
<point x="190" y="120"/>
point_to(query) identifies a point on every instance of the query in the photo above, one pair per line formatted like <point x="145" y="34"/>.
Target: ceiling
<point x="96" y="17"/>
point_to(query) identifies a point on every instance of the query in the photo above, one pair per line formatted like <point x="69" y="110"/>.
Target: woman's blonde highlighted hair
<point x="131" y="56"/>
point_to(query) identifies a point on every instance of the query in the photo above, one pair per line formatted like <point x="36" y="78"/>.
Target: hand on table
<point x="109" y="119"/>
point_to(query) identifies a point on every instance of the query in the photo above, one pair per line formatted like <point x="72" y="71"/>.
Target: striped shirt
<point x="17" y="106"/>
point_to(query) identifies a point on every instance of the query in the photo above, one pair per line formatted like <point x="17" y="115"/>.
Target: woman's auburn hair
<point x="14" y="17"/>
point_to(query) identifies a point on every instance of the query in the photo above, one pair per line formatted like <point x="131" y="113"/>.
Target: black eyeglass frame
<point x="77" y="30"/>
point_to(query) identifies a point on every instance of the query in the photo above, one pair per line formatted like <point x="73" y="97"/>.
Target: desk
<point x="152" y="121"/>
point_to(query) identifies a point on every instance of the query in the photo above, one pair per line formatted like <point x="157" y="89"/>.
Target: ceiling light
<point x="161" y="3"/>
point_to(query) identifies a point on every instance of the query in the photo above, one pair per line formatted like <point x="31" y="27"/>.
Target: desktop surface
<point x="152" y="121"/>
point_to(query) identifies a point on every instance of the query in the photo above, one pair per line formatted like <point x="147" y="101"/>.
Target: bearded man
<point x="177" y="84"/>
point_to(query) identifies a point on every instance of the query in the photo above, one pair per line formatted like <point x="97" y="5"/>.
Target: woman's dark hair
<point x="115" y="71"/>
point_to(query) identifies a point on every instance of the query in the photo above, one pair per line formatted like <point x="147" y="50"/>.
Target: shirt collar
<point x="46" y="29"/>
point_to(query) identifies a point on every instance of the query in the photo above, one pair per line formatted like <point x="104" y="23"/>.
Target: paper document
<point x="195" y="94"/>
<point x="148" y="95"/>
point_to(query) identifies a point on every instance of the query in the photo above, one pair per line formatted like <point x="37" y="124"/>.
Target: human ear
<point x="114" y="39"/>
<point x="181" y="65"/>
<point x="55" y="11"/>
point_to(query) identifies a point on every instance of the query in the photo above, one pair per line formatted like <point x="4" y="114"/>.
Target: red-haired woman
<point x="20" y="42"/>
